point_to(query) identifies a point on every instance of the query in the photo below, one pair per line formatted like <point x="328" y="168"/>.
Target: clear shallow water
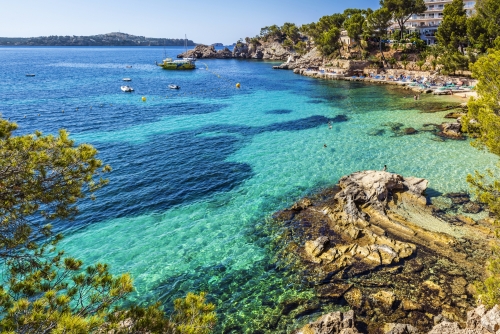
<point x="197" y="171"/>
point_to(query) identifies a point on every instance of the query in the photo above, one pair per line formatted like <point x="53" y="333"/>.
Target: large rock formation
<point x="270" y="51"/>
<point x="373" y="243"/>
<point x="479" y="321"/>
<point x="206" y="51"/>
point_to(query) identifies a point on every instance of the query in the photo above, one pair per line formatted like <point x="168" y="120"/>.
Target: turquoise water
<point x="197" y="171"/>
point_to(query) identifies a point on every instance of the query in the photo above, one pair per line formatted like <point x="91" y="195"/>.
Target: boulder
<point x="331" y="323"/>
<point x="399" y="329"/>
<point x="314" y="248"/>
<point x="491" y="320"/>
<point x="451" y="130"/>
<point x="446" y="327"/>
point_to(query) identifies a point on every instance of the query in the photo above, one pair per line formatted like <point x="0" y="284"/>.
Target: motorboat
<point x="170" y="64"/>
<point x="173" y="87"/>
<point x="128" y="66"/>
<point x="187" y="63"/>
<point x="127" y="79"/>
<point x="30" y="75"/>
<point x="127" y="89"/>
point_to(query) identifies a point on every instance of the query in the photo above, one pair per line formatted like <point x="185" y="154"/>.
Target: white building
<point x="428" y="22"/>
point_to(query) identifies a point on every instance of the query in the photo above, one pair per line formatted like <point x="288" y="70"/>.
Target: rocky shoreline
<point x="270" y="51"/>
<point x="375" y="244"/>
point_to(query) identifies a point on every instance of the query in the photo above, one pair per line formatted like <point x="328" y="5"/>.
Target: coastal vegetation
<point x="483" y="122"/>
<point x="43" y="290"/>
<point x="110" y="39"/>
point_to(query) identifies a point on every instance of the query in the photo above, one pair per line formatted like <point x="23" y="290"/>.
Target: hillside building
<point x="428" y="22"/>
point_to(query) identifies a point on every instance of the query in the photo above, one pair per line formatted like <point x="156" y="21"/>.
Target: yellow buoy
<point x="144" y="99"/>
<point x="238" y="85"/>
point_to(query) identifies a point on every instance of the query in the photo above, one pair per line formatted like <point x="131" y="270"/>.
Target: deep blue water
<point x="197" y="171"/>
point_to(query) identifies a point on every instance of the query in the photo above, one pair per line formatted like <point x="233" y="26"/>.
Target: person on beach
<point x="385" y="168"/>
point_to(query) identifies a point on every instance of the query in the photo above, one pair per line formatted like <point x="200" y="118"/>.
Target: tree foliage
<point x="484" y="27"/>
<point x="377" y="23"/>
<point x="328" y="42"/>
<point x="483" y="118"/>
<point x="452" y="32"/>
<point x="354" y="26"/>
<point x="483" y="122"/>
<point x="41" y="178"/>
<point x="402" y="10"/>
<point x="41" y="289"/>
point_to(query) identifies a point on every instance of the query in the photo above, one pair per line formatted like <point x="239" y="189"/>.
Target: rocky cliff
<point x="479" y="321"/>
<point x="270" y="51"/>
<point x="374" y="243"/>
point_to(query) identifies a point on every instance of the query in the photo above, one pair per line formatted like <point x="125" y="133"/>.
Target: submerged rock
<point x="335" y="322"/>
<point x="451" y="130"/>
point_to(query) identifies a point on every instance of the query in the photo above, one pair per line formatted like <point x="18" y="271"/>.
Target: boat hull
<point x="177" y="66"/>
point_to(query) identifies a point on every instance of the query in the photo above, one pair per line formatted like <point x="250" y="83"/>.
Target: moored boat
<point x="127" y="89"/>
<point x="127" y="79"/>
<point x="170" y="64"/>
<point x="173" y="87"/>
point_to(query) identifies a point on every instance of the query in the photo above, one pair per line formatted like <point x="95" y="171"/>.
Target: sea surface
<point x="198" y="172"/>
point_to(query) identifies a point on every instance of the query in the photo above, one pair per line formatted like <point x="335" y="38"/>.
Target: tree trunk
<point x="382" y="53"/>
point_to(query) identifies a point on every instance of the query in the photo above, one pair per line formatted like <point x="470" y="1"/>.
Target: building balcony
<point x="425" y="19"/>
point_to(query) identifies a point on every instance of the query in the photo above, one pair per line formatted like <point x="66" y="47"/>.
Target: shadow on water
<point x="178" y="168"/>
<point x="279" y="111"/>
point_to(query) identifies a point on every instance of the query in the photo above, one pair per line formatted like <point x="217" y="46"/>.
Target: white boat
<point x="127" y="89"/>
<point x="189" y="58"/>
<point x="173" y="87"/>
<point x="127" y="79"/>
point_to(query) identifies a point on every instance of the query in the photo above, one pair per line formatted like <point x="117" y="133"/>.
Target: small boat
<point x="189" y="58"/>
<point x="129" y="66"/>
<point x="30" y="75"/>
<point x="173" y="87"/>
<point x="127" y="89"/>
<point x="127" y="79"/>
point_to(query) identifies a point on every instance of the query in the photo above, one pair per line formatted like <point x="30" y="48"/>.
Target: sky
<point x="214" y="21"/>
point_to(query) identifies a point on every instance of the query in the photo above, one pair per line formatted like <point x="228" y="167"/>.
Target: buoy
<point x="144" y="99"/>
<point x="238" y="85"/>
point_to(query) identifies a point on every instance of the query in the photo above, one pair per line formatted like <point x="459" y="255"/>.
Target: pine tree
<point x="452" y="33"/>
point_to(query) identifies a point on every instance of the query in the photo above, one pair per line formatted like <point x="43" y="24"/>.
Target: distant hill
<point x="111" y="39"/>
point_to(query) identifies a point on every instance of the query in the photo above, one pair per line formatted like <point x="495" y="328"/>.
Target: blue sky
<point x="203" y="21"/>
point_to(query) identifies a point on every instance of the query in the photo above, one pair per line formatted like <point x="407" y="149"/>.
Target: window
<point x="431" y="16"/>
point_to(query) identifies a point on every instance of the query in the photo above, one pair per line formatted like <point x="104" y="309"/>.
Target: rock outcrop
<point x="335" y="322"/>
<point x="373" y="243"/>
<point x="451" y="130"/>
<point x="479" y="321"/>
<point x="206" y="51"/>
<point x="271" y="51"/>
